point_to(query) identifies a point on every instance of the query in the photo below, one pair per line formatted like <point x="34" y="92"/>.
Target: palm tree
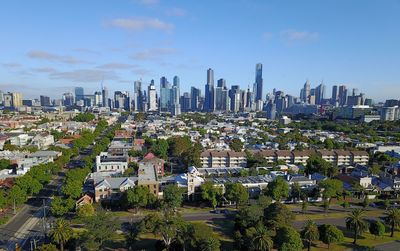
<point x="355" y="221"/>
<point x="262" y="239"/>
<point x="393" y="219"/>
<point x="61" y="232"/>
<point x="310" y="233"/>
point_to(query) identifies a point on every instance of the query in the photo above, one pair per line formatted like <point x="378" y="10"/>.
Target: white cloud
<point x="85" y="75"/>
<point x="140" y="24"/>
<point x="148" y="2"/>
<point x="294" y="35"/>
<point x="176" y="12"/>
<point x="11" y="65"/>
<point x="54" y="57"/>
<point x="116" y="66"/>
<point x="44" y="70"/>
<point x="152" y="54"/>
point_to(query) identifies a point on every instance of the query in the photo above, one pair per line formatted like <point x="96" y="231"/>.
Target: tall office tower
<point x="152" y="97"/>
<point x="8" y="99"/>
<point x="234" y="96"/>
<point x="355" y="92"/>
<point x="44" y="100"/>
<point x="122" y="100"/>
<point x="221" y="95"/>
<point x="16" y="99"/>
<point x="249" y="99"/>
<point x="104" y="96"/>
<point x="342" y="95"/>
<point x="138" y="96"/>
<point x="305" y="92"/>
<point x="175" y="96"/>
<point x="290" y="100"/>
<point x="335" y="95"/>
<point x="209" y="102"/>
<point x="98" y="99"/>
<point x="185" y="102"/>
<point x="194" y="99"/>
<point x="319" y="94"/>
<point x="67" y="99"/>
<point x="79" y="94"/>
<point x="165" y="95"/>
<point x="259" y="83"/>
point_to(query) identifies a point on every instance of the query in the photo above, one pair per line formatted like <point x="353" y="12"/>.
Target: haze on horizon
<point x="48" y="47"/>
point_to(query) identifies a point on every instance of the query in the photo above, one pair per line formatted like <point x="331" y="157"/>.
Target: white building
<point x="105" y="163"/>
<point x="20" y="140"/>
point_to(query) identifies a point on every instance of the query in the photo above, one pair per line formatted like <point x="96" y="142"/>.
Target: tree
<point x="355" y="221"/>
<point x="258" y="238"/>
<point x="236" y="192"/>
<point x="4" y="164"/>
<point x="72" y="188"/>
<point x="160" y="148"/>
<point x="84" y="117"/>
<point x="61" y="233"/>
<point x="377" y="228"/>
<point x="86" y="210"/>
<point x="133" y="231"/>
<point x="30" y="185"/>
<point x="278" y="189"/>
<point x="288" y="239"/>
<point x="329" y="144"/>
<point x="172" y="197"/>
<point x="48" y="247"/>
<point x="138" y="196"/>
<point x="60" y="206"/>
<point x="100" y="228"/>
<point x="310" y="233"/>
<point x="331" y="188"/>
<point x="3" y="200"/>
<point x="248" y="216"/>
<point x="365" y="202"/>
<point x="211" y="193"/>
<point x="17" y="194"/>
<point x="393" y="219"/>
<point x="278" y="215"/>
<point x="236" y="145"/>
<point x="316" y="164"/>
<point x="139" y="117"/>
<point x="330" y="234"/>
<point x="295" y="191"/>
<point x="179" y="145"/>
<point x="191" y="157"/>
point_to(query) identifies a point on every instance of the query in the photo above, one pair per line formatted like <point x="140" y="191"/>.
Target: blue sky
<point x="48" y="47"/>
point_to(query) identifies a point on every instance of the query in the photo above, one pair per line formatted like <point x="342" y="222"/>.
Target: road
<point x="27" y="224"/>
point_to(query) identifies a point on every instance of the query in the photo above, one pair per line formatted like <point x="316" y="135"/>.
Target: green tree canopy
<point x="288" y="239"/>
<point x="330" y="234"/>
<point x="211" y="193"/>
<point x="278" y="189"/>
<point x="236" y="192"/>
<point x="172" y="197"/>
<point x="236" y="145"/>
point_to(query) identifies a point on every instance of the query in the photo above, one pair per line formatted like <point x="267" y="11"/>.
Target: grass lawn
<point x="301" y="217"/>
<point x="367" y="239"/>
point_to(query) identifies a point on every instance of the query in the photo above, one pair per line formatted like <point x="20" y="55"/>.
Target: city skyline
<point x="145" y="40"/>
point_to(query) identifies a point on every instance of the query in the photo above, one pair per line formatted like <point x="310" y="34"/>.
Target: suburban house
<point x="111" y="188"/>
<point x="42" y="141"/>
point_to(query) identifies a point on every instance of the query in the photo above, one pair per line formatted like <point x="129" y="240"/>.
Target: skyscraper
<point x="138" y="96"/>
<point x="319" y="94"/>
<point x="98" y="99"/>
<point x="195" y="94"/>
<point x="334" y="99"/>
<point x="165" y="95"/>
<point x="259" y="83"/>
<point x="342" y="95"/>
<point x="79" y="94"/>
<point x="209" y="102"/>
<point x="68" y="99"/>
<point x="44" y="100"/>
<point x="175" y="96"/>
<point x="221" y="95"/>
<point x="306" y="91"/>
<point x="104" y="96"/>
<point x="152" y="97"/>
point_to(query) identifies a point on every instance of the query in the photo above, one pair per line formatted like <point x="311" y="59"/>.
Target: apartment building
<point x="107" y="163"/>
<point x="212" y="159"/>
